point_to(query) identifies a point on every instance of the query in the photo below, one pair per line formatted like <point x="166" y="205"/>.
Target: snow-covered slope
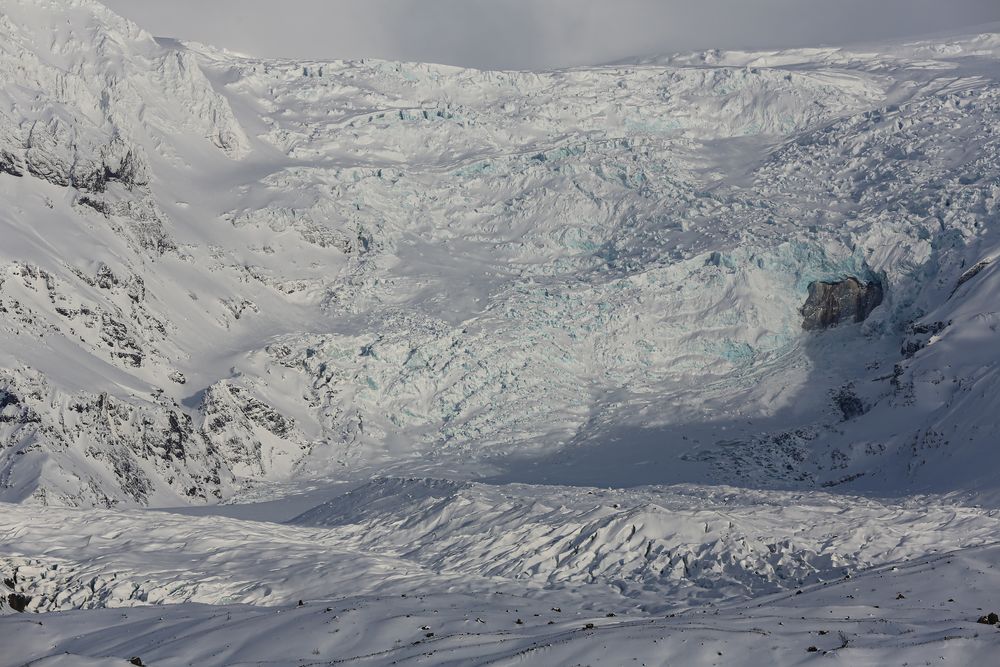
<point x="649" y="550"/>
<point x="217" y="268"/>
<point x="334" y="598"/>
<point x="898" y="615"/>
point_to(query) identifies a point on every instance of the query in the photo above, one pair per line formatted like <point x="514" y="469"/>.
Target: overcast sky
<point x="539" y="33"/>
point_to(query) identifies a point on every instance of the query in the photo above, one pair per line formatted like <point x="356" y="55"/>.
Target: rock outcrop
<point x="93" y="449"/>
<point x="832" y="303"/>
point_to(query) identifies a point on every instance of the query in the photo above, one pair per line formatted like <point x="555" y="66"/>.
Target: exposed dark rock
<point x="96" y="204"/>
<point x="128" y="451"/>
<point x="929" y="329"/>
<point x="7" y="398"/>
<point x="105" y="278"/>
<point x="832" y="303"/>
<point x="88" y="176"/>
<point x="239" y="307"/>
<point x="124" y="163"/>
<point x="848" y="403"/>
<point x="232" y="418"/>
<point x="785" y="456"/>
<point x="116" y="336"/>
<point x="135" y="287"/>
<point x="132" y="479"/>
<point x="267" y="417"/>
<point x="918" y="336"/>
<point x="989" y="619"/>
<point x="18" y="602"/>
<point x="13" y="411"/>
<point x="119" y="163"/>
<point x="970" y="274"/>
<point x="49" y="154"/>
<point x="843" y="480"/>
<point x="179" y="432"/>
<point x="11" y="164"/>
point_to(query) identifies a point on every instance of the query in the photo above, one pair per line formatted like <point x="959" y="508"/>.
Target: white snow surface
<point x="433" y="350"/>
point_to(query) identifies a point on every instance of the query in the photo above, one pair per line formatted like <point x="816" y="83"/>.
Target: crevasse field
<point x="682" y="361"/>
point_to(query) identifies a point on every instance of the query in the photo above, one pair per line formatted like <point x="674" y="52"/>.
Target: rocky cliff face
<point x="833" y="303"/>
<point x="98" y="450"/>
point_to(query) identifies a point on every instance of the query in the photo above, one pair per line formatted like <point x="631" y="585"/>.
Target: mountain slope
<point x="687" y="359"/>
<point x="219" y="269"/>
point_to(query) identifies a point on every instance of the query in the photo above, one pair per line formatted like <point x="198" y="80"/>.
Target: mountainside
<point x="218" y="269"/>
<point x="689" y="359"/>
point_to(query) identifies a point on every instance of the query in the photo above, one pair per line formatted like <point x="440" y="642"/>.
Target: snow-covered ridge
<point x="647" y="550"/>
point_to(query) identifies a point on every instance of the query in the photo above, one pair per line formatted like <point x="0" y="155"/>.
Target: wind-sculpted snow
<point x="648" y="549"/>
<point x="506" y="568"/>
<point x="695" y="544"/>
<point x="907" y="613"/>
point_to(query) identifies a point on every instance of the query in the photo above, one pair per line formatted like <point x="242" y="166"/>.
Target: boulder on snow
<point x="847" y="300"/>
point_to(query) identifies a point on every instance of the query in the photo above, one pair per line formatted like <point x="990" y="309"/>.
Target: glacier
<point x="353" y="330"/>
